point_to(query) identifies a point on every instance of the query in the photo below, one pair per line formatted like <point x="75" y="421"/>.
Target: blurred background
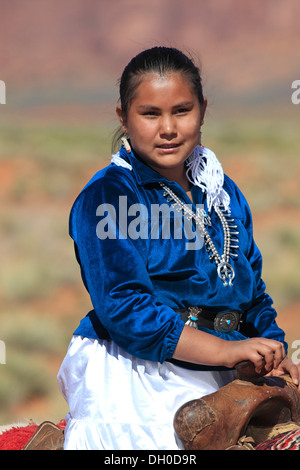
<point x="60" y="61"/>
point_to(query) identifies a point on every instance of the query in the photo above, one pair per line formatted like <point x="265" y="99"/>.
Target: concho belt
<point x="224" y="322"/>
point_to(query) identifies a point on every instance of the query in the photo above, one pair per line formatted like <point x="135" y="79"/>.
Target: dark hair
<point x="161" y="60"/>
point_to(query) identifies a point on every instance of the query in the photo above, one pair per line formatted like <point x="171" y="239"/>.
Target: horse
<point x="250" y="413"/>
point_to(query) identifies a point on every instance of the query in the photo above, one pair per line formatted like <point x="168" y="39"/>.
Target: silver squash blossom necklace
<point x="231" y="242"/>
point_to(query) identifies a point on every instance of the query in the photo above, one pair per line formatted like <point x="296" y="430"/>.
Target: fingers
<point x="279" y="355"/>
<point x="261" y="356"/>
<point x="274" y="356"/>
<point x="268" y="354"/>
<point x="288" y="366"/>
<point x="295" y="375"/>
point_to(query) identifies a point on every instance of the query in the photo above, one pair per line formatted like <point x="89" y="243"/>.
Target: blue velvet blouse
<point x="136" y="280"/>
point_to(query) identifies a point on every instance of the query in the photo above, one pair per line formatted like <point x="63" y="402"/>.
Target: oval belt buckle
<point x="226" y="322"/>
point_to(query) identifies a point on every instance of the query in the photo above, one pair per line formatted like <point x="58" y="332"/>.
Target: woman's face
<point x="163" y="121"/>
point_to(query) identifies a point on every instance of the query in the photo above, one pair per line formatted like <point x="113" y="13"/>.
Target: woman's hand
<point x="287" y="366"/>
<point x="264" y="365"/>
<point x="264" y="354"/>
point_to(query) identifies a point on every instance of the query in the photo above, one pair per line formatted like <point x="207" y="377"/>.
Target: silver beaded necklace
<point x="224" y="268"/>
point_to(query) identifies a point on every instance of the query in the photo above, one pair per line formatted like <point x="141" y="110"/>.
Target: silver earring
<point x="126" y="144"/>
<point x="200" y="138"/>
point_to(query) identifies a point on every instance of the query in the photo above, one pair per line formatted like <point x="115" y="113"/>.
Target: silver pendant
<point x="226" y="273"/>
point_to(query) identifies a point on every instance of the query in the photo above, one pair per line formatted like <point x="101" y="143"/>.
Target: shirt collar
<point x="143" y="173"/>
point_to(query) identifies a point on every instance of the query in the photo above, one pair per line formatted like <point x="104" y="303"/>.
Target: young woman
<point x="165" y="246"/>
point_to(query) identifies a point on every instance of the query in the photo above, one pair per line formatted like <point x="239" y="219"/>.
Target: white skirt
<point x="119" y="402"/>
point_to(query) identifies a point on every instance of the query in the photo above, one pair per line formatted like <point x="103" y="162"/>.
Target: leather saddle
<point x="48" y="436"/>
<point x="247" y="411"/>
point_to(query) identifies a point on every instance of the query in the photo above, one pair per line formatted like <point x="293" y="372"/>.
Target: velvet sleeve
<point x="260" y="318"/>
<point x="114" y="270"/>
